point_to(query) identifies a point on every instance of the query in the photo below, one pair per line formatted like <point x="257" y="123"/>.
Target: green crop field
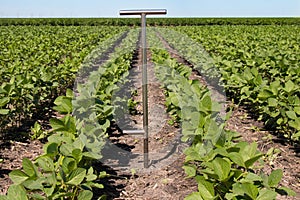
<point x="59" y="76"/>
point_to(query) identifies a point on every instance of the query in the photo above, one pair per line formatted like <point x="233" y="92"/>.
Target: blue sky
<point x="176" y="8"/>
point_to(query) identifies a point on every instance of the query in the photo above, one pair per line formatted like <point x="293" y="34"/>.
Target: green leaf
<point x="69" y="164"/>
<point x="64" y="105"/>
<point x="16" y="192"/>
<point x="62" y="195"/>
<point x="195" y="118"/>
<point x="103" y="174"/>
<point x="296" y="135"/>
<point x="275" y="86"/>
<point x="194" y="196"/>
<point x="86" y="186"/>
<point x="4" y="111"/>
<point x="78" y="144"/>
<point x="90" y="171"/>
<point x="77" y="154"/>
<point x="247" y="74"/>
<point x="66" y="124"/>
<point x="90" y="175"/>
<point x="297" y="110"/>
<point x="49" y="191"/>
<point x="97" y="185"/>
<point x="291" y="114"/>
<point x="265" y="94"/>
<point x="266" y="194"/>
<point x="92" y="155"/>
<point x="85" y="195"/>
<point x="51" y="178"/>
<point x="251" y="178"/>
<point x="275" y="178"/>
<point x="52" y="149"/>
<point x="34" y="184"/>
<point x="272" y="102"/>
<point x="295" y="124"/>
<point x="286" y="191"/>
<point x="62" y="174"/>
<point x="37" y="197"/>
<point x="265" y="179"/>
<point x="214" y="132"/>
<point x="18" y="177"/>
<point x="279" y="121"/>
<point x="237" y="158"/>
<point x="70" y="124"/>
<point x="206" y="102"/>
<point x="77" y="176"/>
<point x="57" y="124"/>
<point x="46" y="163"/>
<point x="254" y="71"/>
<point x="194" y="152"/>
<point x="69" y="93"/>
<point x="289" y="86"/>
<point x="205" y="188"/>
<point x="190" y="171"/>
<point x="252" y="160"/>
<point x="237" y="189"/>
<point x="29" y="168"/>
<point x="221" y="168"/>
<point x="66" y="149"/>
<point x="230" y="196"/>
<point x="4" y="101"/>
<point x="246" y="188"/>
<point x="249" y="151"/>
<point x="273" y="114"/>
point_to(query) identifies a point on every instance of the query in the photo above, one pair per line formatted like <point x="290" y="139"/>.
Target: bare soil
<point x="12" y="153"/>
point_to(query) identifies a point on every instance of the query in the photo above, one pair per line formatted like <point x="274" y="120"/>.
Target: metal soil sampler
<point x="143" y="14"/>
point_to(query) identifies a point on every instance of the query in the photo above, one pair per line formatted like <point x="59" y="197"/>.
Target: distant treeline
<point x="150" y="21"/>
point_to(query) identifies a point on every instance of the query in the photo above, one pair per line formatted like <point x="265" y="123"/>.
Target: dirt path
<point x="12" y="154"/>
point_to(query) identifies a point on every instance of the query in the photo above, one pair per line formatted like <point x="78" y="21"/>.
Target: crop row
<point x="38" y="63"/>
<point x="258" y="67"/>
<point x="150" y="21"/>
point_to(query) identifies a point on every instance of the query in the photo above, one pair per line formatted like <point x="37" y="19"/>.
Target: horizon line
<point x="119" y="17"/>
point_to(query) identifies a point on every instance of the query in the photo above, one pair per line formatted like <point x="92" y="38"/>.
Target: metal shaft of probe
<point x="145" y="90"/>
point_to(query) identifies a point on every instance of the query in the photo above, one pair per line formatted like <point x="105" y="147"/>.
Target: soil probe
<point x="143" y="14"/>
